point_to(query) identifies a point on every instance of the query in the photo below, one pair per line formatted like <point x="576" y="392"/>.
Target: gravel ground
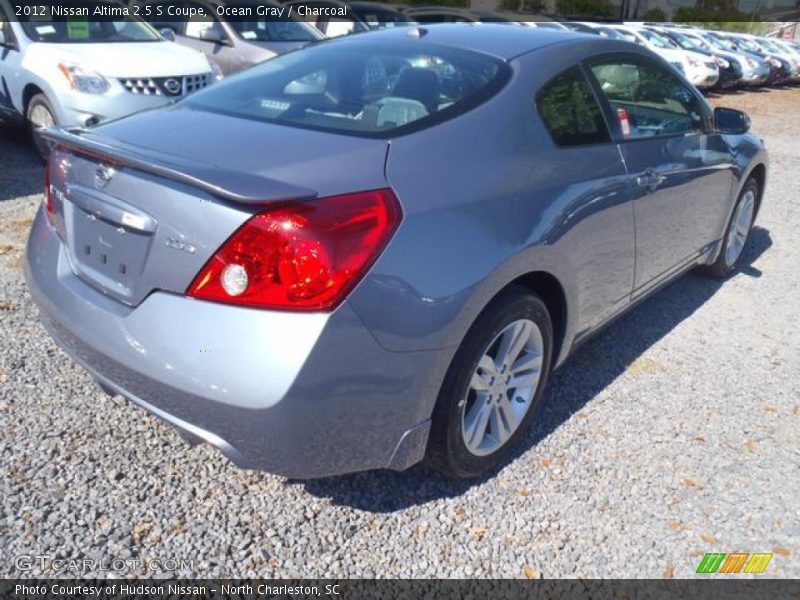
<point x="672" y="434"/>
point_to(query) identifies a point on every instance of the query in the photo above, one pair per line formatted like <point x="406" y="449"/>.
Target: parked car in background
<point x="442" y="15"/>
<point x="380" y="16"/>
<point x="702" y="71"/>
<point x="82" y="72"/>
<point x="579" y="27"/>
<point x="779" y="70"/>
<point x="730" y="69"/>
<point x="599" y="29"/>
<point x="361" y="280"/>
<point x="755" y="70"/>
<point x="779" y="51"/>
<point x="235" y="44"/>
<point x="332" y="18"/>
<point x="788" y="46"/>
<point x="614" y="34"/>
<point x="538" y="22"/>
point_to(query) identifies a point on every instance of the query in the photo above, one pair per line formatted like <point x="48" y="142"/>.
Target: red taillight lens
<point x="303" y="256"/>
<point x="48" y="192"/>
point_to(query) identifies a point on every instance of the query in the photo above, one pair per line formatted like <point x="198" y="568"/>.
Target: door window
<point x="647" y="99"/>
<point x="570" y="111"/>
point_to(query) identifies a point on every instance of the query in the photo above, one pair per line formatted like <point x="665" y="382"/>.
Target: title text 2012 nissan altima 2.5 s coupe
<point x="376" y="249"/>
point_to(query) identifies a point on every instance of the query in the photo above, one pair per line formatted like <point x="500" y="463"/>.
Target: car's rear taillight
<point x="48" y="193"/>
<point x="303" y="256"/>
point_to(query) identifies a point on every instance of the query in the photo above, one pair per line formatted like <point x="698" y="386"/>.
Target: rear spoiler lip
<point x="235" y="186"/>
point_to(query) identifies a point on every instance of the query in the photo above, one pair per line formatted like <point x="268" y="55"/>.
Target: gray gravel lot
<point x="672" y="434"/>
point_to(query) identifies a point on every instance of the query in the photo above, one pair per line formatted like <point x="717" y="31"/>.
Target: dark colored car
<point x="380" y="16"/>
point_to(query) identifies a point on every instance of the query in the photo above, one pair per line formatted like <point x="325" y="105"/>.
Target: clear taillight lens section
<point x="304" y="257"/>
<point x="48" y="193"/>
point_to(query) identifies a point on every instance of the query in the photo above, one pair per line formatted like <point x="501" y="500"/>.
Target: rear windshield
<point x="282" y="29"/>
<point x="657" y="40"/>
<point x="372" y="89"/>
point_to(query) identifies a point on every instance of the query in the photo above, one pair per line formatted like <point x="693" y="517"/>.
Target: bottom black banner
<point x="253" y="589"/>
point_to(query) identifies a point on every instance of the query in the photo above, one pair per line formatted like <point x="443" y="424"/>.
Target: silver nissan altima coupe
<point x="375" y="250"/>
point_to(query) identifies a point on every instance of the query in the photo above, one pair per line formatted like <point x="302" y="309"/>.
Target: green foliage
<point x="743" y="26"/>
<point x="654" y="14"/>
<point x="524" y="6"/>
<point x="595" y="8"/>
<point x="711" y="11"/>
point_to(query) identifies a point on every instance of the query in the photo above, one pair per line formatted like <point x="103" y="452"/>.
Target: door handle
<point x="650" y="180"/>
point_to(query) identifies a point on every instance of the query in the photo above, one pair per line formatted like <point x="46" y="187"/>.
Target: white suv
<point x="700" y="70"/>
<point x="80" y="73"/>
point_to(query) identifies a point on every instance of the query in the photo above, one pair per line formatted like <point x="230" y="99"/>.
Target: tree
<point x="654" y="14"/>
<point x="595" y="8"/>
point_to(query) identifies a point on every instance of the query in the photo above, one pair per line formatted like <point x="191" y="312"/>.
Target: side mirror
<point x="212" y="34"/>
<point x="729" y="120"/>
<point x="168" y="34"/>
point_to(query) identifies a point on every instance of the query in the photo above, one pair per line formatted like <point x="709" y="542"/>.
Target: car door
<point x="681" y="172"/>
<point x="10" y="58"/>
<point x="599" y="211"/>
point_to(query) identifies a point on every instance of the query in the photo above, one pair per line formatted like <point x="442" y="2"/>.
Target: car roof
<point x="496" y="39"/>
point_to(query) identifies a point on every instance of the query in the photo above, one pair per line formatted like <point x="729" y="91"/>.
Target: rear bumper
<point x="300" y="395"/>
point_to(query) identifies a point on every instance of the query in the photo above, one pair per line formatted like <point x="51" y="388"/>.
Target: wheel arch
<point x="551" y="291"/>
<point x="759" y="173"/>
<point x="547" y="287"/>
<point x="28" y="93"/>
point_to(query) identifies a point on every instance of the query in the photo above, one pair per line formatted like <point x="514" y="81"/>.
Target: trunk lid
<point x="134" y="219"/>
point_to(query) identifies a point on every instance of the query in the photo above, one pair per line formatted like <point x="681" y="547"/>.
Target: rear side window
<point x="649" y="100"/>
<point x="570" y="111"/>
<point x="365" y="88"/>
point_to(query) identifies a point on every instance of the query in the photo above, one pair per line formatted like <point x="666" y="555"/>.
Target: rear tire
<point x="40" y="115"/>
<point x="492" y="388"/>
<point x="736" y="234"/>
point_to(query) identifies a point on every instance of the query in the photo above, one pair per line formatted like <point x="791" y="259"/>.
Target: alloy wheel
<point x="740" y="228"/>
<point x="502" y="387"/>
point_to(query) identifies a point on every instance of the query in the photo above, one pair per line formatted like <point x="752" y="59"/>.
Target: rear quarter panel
<point x="487" y="198"/>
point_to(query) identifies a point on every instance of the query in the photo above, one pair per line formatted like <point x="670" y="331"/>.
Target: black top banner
<point x="166" y="11"/>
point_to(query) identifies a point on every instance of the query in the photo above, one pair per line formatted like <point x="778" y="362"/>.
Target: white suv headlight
<point x="721" y="62"/>
<point x="88" y="82"/>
